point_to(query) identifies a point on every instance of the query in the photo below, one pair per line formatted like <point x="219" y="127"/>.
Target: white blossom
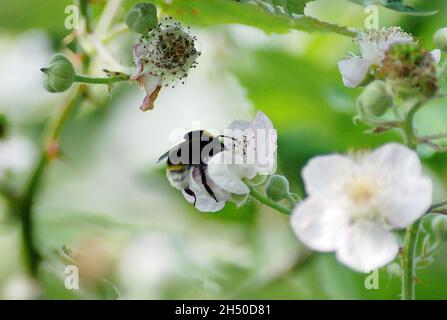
<point x="151" y="263"/>
<point x="355" y="202"/>
<point x="251" y="150"/>
<point x="201" y="199"/>
<point x="16" y="156"/>
<point x="373" y="45"/>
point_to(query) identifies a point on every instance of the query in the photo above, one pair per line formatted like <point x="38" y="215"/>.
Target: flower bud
<point x="59" y="75"/>
<point x="142" y="18"/>
<point x="374" y="99"/>
<point x="439" y="226"/>
<point x="394" y="269"/>
<point x="440" y="39"/>
<point x="277" y="188"/>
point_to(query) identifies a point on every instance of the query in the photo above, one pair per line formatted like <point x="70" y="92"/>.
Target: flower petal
<point x="406" y="200"/>
<point x="137" y="54"/>
<point x="436" y="54"/>
<point x="322" y="171"/>
<point x="366" y="246"/>
<point x="239" y="125"/>
<point x="202" y="200"/>
<point x="395" y="158"/>
<point x="261" y="121"/>
<point x="152" y="86"/>
<point x="319" y="224"/>
<point x="227" y="170"/>
<point x="265" y="145"/>
<point x="354" y="71"/>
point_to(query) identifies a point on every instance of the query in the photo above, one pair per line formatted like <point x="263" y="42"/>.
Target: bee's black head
<point x="197" y="135"/>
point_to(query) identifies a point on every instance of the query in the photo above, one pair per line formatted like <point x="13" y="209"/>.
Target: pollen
<point x="360" y="190"/>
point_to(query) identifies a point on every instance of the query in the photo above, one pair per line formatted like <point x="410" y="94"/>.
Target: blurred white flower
<point x="373" y="46"/>
<point x="251" y="150"/>
<point x="16" y="155"/>
<point x="21" y="287"/>
<point x="163" y="56"/>
<point x="149" y="264"/>
<point x="22" y="96"/>
<point x="355" y="202"/>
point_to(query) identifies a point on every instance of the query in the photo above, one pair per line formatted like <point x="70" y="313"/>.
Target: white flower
<point x="150" y="264"/>
<point x="355" y="202"/>
<point x="21" y="287"/>
<point x="16" y="156"/>
<point x="163" y="56"/>
<point x="200" y="197"/>
<point x="250" y="151"/>
<point x="373" y="46"/>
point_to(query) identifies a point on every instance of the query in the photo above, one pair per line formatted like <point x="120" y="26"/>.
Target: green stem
<point x="272" y="204"/>
<point x="95" y="80"/>
<point x="408" y="129"/>
<point x="86" y="14"/>
<point x="32" y="254"/>
<point x="411" y="235"/>
<point x="438" y="205"/>
<point x="408" y="259"/>
<point x="292" y="201"/>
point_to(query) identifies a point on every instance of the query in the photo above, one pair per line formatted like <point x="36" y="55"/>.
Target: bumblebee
<point x="199" y="146"/>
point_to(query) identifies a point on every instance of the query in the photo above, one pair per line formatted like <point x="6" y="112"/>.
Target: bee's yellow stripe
<point x="176" y="167"/>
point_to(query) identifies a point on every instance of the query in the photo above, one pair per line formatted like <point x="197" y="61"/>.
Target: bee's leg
<point x="205" y="183"/>
<point x="191" y="193"/>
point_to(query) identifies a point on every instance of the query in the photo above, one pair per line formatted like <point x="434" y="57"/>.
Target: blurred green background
<point x="107" y="200"/>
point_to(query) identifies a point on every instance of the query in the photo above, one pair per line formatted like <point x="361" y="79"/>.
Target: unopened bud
<point x="394" y="269"/>
<point x="440" y="39"/>
<point x="142" y="18"/>
<point x="374" y="99"/>
<point x="59" y="75"/>
<point x="277" y="188"/>
<point x="439" y="226"/>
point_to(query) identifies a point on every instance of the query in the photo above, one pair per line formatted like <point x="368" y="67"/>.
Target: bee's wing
<point x="164" y="156"/>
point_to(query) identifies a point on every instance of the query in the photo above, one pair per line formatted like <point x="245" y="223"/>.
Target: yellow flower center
<point x="360" y="190"/>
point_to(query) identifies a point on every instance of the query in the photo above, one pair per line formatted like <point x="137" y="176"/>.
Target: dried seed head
<point x="411" y="68"/>
<point x="168" y="51"/>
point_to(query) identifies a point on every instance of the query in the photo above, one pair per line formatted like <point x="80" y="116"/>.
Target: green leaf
<point x="214" y="12"/>
<point x="396" y="5"/>
<point x="287" y="6"/>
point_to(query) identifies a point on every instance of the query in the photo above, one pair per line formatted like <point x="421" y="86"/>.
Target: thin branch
<point x="438" y="205"/>
<point x="272" y="204"/>
<point x="99" y="80"/>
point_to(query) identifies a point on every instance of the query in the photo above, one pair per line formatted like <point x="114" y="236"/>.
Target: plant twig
<point x="100" y="80"/>
<point x="411" y="235"/>
<point x="438" y="205"/>
<point x="32" y="254"/>
<point x="263" y="199"/>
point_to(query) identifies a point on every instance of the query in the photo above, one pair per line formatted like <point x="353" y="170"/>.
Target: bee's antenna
<point x="224" y="136"/>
